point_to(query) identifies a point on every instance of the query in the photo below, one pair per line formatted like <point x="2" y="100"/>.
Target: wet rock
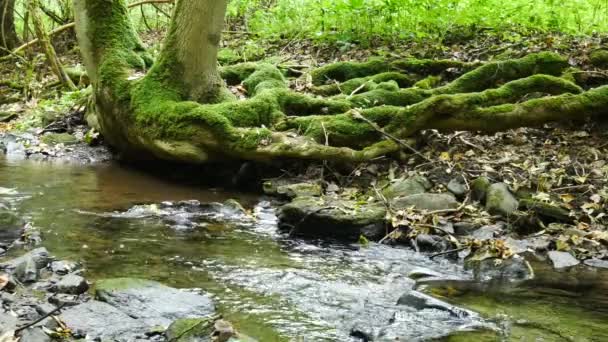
<point x="299" y="189"/>
<point x="7" y="322"/>
<point x="421" y="272"/>
<point x="72" y="284"/>
<point x="34" y="335"/>
<point x="457" y="186"/>
<point x="26" y="271"/>
<point x="190" y="330"/>
<point x="421" y="301"/>
<point x="464" y="228"/>
<point x="500" y="201"/>
<point x="406" y="187"/>
<point x="223" y="330"/>
<point x="59" y="138"/>
<point x="562" y="259"/>
<point x="499" y="272"/>
<point x="599" y="263"/>
<point x="517" y="246"/>
<point x="426" y="201"/>
<point x="479" y="189"/>
<point x="151" y="302"/>
<point x="278" y="187"/>
<point x="489" y="231"/>
<point x="431" y="243"/>
<point x="63" y="299"/>
<point x="314" y="216"/>
<point x="63" y="267"/>
<point x="40" y="256"/>
<point x="95" y="320"/>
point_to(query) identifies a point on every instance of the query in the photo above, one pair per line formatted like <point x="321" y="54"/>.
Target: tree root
<point x="148" y="117"/>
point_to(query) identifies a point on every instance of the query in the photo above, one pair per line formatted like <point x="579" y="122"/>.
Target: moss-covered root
<point x="498" y="72"/>
<point x="484" y="77"/>
<point x="344" y="130"/>
<point x="364" y="84"/>
<point x="344" y="71"/>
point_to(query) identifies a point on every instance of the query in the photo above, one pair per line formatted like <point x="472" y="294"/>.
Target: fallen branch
<point x="50" y="33"/>
<point x="50" y="313"/>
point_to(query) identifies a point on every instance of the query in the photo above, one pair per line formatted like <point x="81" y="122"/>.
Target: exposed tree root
<point x="149" y="117"/>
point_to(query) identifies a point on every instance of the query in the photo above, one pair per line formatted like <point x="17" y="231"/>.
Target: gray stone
<point x="562" y="259"/>
<point x="406" y="187"/>
<point x="326" y="217"/>
<point x="479" y="189"/>
<point x="63" y="267"/>
<point x="96" y="320"/>
<point x="72" y="284"/>
<point x="40" y="256"/>
<point x="7" y="322"/>
<point x="431" y="243"/>
<point x="34" y="335"/>
<point x="499" y="272"/>
<point x="517" y="246"/>
<point x="62" y="299"/>
<point x="426" y="201"/>
<point x="488" y="232"/>
<point x="421" y="301"/>
<point x="597" y="263"/>
<point x="500" y="201"/>
<point x="26" y="271"/>
<point x="151" y="302"/>
<point x="457" y="186"/>
<point x="421" y="272"/>
<point x="464" y="228"/>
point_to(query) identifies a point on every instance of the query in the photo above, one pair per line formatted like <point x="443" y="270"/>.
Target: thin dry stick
<point x="41" y="318"/>
<point x="357" y="115"/>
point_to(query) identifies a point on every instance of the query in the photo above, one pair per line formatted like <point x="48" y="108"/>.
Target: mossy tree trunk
<point x="179" y="108"/>
<point x="8" y="35"/>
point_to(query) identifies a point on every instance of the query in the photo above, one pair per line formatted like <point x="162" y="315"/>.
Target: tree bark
<point x="8" y="35"/>
<point x="190" y="50"/>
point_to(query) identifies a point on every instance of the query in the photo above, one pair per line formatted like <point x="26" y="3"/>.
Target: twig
<point x="358" y="89"/>
<point x="357" y="115"/>
<point x="50" y="33"/>
<point x="41" y="318"/>
<point x="448" y="252"/>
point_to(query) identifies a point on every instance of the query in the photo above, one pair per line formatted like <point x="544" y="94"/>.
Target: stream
<point x="121" y="222"/>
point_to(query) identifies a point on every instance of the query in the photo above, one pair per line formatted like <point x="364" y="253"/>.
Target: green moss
<point x="228" y="56"/>
<point x="264" y="77"/>
<point x="430" y="66"/>
<point x="235" y="74"/>
<point x="189" y="329"/>
<point x="363" y="84"/>
<point x="393" y="97"/>
<point x="428" y="82"/>
<point x="59" y="138"/>
<point x="343" y="71"/>
<point x="599" y="58"/>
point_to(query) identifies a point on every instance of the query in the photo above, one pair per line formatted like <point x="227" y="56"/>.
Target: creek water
<point x="272" y="287"/>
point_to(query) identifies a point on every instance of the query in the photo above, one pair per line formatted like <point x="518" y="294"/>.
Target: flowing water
<point x="119" y="223"/>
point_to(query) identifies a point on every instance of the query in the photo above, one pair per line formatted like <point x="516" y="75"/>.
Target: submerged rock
<point x="500" y="201"/>
<point x="152" y="302"/>
<point x="128" y="309"/>
<point x="562" y="259"/>
<point x="190" y="330"/>
<point x="11" y="226"/>
<point x="95" y="320"/>
<point x="431" y="243"/>
<point x="426" y="201"/>
<point x="421" y="301"/>
<point x="315" y="216"/>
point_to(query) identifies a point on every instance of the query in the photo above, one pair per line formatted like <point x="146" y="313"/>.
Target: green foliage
<point x="347" y="20"/>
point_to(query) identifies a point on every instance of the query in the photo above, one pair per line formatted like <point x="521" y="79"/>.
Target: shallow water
<point x="272" y="287"/>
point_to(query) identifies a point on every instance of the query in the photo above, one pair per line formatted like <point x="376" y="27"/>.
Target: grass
<point x="414" y="19"/>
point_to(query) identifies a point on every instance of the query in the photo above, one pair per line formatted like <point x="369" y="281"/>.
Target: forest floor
<point x="556" y="174"/>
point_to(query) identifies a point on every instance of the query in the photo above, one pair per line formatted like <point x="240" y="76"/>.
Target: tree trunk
<point x="179" y="110"/>
<point x="8" y="36"/>
<point x="189" y="55"/>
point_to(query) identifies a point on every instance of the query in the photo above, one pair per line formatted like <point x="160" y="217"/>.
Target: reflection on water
<point x="273" y="288"/>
